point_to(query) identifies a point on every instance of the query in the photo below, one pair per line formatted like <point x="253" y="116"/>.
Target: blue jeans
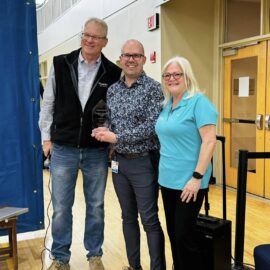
<point x="65" y="164"/>
<point x="137" y="191"/>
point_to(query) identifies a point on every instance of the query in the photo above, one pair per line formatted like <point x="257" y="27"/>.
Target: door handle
<point x="259" y="121"/>
<point x="231" y="120"/>
<point x="240" y="121"/>
<point x="267" y="122"/>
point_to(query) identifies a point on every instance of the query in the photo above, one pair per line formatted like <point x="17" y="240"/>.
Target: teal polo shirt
<point x="178" y="133"/>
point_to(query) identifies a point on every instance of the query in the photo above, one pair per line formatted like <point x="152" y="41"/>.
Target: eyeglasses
<point x="176" y="76"/>
<point x="135" y="56"/>
<point x="94" y="38"/>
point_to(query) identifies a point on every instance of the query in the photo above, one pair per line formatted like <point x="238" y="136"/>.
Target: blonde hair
<point x="189" y="77"/>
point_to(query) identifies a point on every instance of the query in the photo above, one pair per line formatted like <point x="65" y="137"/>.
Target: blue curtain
<point x="20" y="153"/>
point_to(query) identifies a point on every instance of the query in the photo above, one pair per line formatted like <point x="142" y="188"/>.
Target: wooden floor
<point x="257" y="231"/>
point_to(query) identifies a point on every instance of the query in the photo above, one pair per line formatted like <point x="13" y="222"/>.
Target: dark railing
<point x="244" y="156"/>
<point x="222" y="139"/>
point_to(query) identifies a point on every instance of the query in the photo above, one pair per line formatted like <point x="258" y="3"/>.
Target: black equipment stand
<point x="244" y="155"/>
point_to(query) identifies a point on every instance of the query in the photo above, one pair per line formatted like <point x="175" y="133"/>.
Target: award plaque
<point x="100" y="115"/>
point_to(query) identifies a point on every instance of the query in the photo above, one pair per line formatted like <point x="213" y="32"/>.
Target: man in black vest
<point x="77" y="82"/>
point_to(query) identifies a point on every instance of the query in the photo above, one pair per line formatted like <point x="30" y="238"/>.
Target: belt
<point x="133" y="155"/>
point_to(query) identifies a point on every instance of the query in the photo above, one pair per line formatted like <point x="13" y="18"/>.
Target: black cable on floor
<point x="45" y="248"/>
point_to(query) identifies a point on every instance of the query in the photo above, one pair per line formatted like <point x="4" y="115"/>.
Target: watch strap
<point x="197" y="175"/>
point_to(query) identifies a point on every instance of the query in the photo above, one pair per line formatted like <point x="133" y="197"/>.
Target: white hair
<point x="189" y="77"/>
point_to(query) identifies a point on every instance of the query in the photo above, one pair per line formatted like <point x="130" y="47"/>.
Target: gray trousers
<point x="137" y="192"/>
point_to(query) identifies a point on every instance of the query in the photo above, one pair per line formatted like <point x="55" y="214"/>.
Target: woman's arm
<point x="208" y="135"/>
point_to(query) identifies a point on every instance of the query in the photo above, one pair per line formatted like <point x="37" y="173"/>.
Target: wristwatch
<point x="197" y="175"/>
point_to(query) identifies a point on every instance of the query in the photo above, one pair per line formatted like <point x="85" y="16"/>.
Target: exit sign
<point x="153" y="22"/>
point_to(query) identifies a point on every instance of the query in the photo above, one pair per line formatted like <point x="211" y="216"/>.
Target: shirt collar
<point x="183" y="102"/>
<point x="82" y="60"/>
<point x="140" y="80"/>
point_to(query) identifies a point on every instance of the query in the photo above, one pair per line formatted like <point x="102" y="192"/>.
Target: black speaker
<point x="214" y="236"/>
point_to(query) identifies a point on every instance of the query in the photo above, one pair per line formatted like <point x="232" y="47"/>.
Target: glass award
<point x="100" y="115"/>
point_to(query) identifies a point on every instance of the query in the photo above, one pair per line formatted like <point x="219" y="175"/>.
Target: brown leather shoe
<point x="95" y="263"/>
<point x="57" y="265"/>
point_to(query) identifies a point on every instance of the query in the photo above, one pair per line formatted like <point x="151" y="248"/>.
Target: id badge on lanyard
<point x="115" y="165"/>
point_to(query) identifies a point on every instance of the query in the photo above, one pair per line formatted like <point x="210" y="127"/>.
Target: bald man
<point x="135" y="103"/>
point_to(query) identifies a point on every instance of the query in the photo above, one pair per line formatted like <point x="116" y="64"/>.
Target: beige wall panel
<point x="187" y="29"/>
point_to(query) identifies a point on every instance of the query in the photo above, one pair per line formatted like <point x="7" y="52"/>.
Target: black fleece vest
<point x="72" y="126"/>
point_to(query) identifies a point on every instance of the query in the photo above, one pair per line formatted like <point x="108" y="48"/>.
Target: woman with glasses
<point x="187" y="132"/>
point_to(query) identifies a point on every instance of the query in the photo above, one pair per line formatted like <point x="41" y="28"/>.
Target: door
<point x="267" y="128"/>
<point x="245" y="114"/>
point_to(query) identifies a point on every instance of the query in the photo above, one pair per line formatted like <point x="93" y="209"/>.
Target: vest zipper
<point x="96" y="81"/>
<point x="80" y="132"/>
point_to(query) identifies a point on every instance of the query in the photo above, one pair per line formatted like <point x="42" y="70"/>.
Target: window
<point x="242" y="20"/>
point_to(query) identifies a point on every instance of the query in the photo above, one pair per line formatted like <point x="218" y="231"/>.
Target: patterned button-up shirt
<point x="134" y="111"/>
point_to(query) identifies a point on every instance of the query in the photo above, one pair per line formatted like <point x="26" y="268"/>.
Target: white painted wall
<point x="68" y="26"/>
<point x="126" y="19"/>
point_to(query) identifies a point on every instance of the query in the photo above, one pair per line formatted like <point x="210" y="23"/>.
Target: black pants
<point x="181" y="220"/>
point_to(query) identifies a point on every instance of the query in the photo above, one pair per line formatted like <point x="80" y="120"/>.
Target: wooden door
<point x="244" y="113"/>
<point x="267" y="127"/>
